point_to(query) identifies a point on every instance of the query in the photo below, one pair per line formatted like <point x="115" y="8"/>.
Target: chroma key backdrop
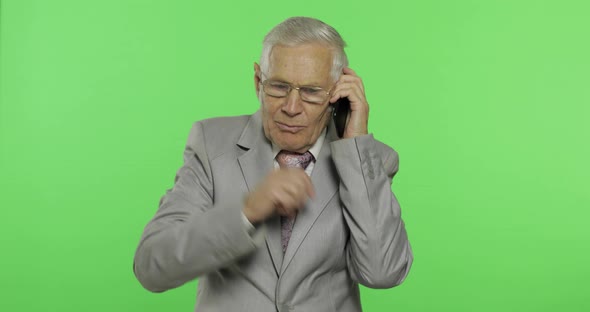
<point x="487" y="103"/>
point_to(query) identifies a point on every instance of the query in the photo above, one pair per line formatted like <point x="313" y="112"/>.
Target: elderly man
<point x="274" y="211"/>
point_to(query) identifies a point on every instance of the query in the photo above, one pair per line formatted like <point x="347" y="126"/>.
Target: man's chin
<point x="294" y="148"/>
<point x="290" y="145"/>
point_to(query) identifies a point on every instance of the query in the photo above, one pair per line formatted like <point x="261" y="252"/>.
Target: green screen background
<point x="487" y="103"/>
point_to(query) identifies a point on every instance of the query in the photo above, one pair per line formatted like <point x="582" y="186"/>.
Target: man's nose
<point x="293" y="106"/>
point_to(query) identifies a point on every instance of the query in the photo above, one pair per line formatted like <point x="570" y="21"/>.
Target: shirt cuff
<point x="249" y="227"/>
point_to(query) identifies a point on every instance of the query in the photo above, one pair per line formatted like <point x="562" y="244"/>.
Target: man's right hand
<point x="283" y="191"/>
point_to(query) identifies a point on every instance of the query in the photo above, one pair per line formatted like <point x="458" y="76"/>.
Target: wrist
<point x="249" y="226"/>
<point x="247" y="211"/>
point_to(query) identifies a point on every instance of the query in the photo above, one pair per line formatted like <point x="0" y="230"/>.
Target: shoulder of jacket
<point x="221" y="133"/>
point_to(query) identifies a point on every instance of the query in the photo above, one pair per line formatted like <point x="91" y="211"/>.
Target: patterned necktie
<point x="291" y="160"/>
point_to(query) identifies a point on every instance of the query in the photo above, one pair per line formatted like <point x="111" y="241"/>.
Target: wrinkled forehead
<point x="307" y="64"/>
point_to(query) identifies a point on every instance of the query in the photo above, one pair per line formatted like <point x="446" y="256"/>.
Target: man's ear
<point x="257" y="79"/>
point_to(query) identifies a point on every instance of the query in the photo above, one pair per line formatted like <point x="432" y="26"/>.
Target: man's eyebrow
<point x="278" y="80"/>
<point x="312" y="84"/>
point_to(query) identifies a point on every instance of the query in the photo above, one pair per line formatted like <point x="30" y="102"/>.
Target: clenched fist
<point x="283" y="191"/>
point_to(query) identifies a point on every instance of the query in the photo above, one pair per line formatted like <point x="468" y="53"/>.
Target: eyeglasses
<point x="310" y="94"/>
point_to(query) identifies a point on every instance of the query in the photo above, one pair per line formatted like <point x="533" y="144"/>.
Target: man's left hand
<point x="351" y="86"/>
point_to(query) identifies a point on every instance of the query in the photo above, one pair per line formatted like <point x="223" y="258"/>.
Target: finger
<point x="353" y="85"/>
<point x="283" y="209"/>
<point x="305" y="185"/>
<point x="356" y="80"/>
<point x="301" y="192"/>
<point x="292" y="193"/>
<point x="285" y="212"/>
<point x="349" y="71"/>
<point x="293" y="181"/>
<point x="353" y="94"/>
<point x="301" y="178"/>
<point x="338" y="93"/>
<point x="309" y="189"/>
<point x="290" y="206"/>
<point x="297" y="191"/>
<point x="280" y="210"/>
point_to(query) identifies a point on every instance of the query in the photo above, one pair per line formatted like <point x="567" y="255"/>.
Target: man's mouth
<point x="289" y="128"/>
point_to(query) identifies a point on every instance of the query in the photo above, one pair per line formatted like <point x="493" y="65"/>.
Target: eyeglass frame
<point x="291" y="87"/>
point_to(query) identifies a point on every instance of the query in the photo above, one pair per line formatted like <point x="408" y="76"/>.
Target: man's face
<point x="289" y="122"/>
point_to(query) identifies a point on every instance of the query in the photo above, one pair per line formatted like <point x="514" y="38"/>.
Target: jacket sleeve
<point x="378" y="251"/>
<point x="190" y="235"/>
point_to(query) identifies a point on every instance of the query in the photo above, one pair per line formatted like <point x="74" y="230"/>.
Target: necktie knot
<point x="294" y="160"/>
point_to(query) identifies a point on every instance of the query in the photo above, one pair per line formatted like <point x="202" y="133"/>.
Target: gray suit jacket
<point x="350" y="233"/>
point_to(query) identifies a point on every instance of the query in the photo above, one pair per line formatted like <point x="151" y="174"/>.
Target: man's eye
<point x="311" y="91"/>
<point x="279" y="86"/>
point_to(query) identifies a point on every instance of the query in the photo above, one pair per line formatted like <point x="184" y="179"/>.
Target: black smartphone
<point x="340" y="114"/>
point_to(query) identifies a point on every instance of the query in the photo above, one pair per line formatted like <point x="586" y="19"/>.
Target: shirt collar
<point x="314" y="150"/>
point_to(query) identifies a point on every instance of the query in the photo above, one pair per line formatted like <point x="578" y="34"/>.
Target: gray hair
<point x="299" y="30"/>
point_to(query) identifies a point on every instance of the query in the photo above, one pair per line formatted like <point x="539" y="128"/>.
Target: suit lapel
<point x="255" y="163"/>
<point x="325" y="181"/>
